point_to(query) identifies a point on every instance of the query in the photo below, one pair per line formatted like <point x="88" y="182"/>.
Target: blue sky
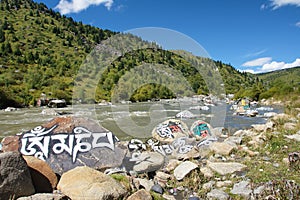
<point x="251" y="35"/>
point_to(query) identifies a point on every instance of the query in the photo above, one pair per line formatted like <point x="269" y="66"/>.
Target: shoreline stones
<point x="144" y="165"/>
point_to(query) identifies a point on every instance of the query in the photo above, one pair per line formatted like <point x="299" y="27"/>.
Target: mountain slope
<point x="42" y="51"/>
<point x="282" y="83"/>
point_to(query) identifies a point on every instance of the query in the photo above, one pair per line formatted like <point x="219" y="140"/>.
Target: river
<point x="129" y="120"/>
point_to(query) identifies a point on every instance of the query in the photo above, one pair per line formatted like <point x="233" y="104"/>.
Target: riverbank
<point x="260" y="162"/>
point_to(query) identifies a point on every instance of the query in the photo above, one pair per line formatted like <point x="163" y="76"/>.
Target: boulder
<point x="43" y="177"/>
<point x="224" y="168"/>
<point x="183" y="169"/>
<point x="15" y="176"/>
<point x="169" y="130"/>
<point x="87" y="183"/>
<point x="140" y="195"/>
<point x="67" y="142"/>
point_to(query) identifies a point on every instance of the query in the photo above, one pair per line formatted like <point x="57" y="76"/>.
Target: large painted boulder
<point x="169" y="130"/>
<point x="67" y="142"/>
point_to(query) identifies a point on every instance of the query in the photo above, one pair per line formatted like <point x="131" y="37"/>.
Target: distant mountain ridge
<point x="41" y="51"/>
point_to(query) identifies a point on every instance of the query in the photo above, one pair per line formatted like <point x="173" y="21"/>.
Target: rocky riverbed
<point x="75" y="158"/>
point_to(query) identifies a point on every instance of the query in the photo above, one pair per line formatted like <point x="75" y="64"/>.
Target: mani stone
<point x="15" y="179"/>
<point x="169" y="130"/>
<point x="87" y="183"/>
<point x="67" y="142"/>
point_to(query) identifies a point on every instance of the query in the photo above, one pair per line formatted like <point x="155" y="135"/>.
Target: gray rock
<point x="146" y="162"/>
<point x="183" y="169"/>
<point x="45" y="196"/>
<point x="217" y="195"/>
<point x="87" y="183"/>
<point x="15" y="179"/>
<point x="157" y="188"/>
<point x="242" y="188"/>
<point x="224" y="168"/>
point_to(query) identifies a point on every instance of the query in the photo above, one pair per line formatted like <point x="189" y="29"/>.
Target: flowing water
<point x="127" y="120"/>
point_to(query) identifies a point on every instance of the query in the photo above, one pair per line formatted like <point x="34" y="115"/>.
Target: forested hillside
<point x="281" y="84"/>
<point x="41" y="51"/>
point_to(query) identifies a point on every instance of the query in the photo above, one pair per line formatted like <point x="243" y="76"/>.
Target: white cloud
<point x="273" y="66"/>
<point x="279" y="65"/>
<point x="279" y="3"/>
<point x="257" y="62"/>
<point x="75" y="6"/>
<point x="298" y="24"/>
